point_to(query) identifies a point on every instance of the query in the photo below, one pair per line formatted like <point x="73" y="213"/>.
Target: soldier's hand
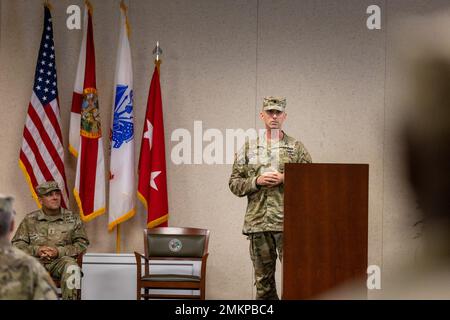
<point x="270" y="179"/>
<point x="278" y="178"/>
<point x="42" y="251"/>
<point x="47" y="253"/>
<point x="52" y="252"/>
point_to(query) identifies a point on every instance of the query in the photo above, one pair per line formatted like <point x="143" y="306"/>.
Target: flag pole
<point x="118" y="238"/>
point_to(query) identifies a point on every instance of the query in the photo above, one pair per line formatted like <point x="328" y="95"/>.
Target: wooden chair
<point x="176" y="244"/>
<point x="57" y="281"/>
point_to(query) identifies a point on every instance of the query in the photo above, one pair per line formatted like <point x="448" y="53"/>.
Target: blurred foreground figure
<point x="21" y="277"/>
<point x="426" y="139"/>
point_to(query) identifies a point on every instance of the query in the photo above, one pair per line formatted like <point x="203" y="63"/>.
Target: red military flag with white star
<point x="152" y="185"/>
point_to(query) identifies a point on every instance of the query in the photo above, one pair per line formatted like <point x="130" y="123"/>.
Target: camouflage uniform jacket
<point x="265" y="209"/>
<point x="22" y="277"/>
<point x="64" y="232"/>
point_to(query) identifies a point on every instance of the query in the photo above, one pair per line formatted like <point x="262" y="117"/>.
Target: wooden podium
<point x="325" y="227"/>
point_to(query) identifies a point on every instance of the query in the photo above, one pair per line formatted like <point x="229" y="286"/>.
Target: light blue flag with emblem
<point x="122" y="170"/>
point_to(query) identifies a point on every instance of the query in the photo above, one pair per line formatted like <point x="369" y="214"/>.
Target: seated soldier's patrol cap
<point x="274" y="103"/>
<point x="47" y="187"/>
<point x="6" y="203"/>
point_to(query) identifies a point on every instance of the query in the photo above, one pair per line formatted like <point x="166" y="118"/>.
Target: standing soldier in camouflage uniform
<point x="21" y="277"/>
<point x="56" y="236"/>
<point x="258" y="173"/>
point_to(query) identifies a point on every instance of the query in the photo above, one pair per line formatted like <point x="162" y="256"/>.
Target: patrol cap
<point x="6" y="202"/>
<point x="47" y="187"/>
<point x="274" y="103"/>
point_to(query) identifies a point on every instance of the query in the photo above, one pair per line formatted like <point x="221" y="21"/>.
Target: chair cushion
<point x="171" y="277"/>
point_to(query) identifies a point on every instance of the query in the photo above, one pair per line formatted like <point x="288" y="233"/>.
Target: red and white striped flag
<point x="42" y="154"/>
<point x="89" y="190"/>
<point x="152" y="185"/>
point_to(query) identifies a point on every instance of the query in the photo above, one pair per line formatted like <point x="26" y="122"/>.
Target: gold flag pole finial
<point x="158" y="51"/>
<point x="125" y="12"/>
<point x="47" y="4"/>
<point x="123" y="6"/>
<point x="89" y="5"/>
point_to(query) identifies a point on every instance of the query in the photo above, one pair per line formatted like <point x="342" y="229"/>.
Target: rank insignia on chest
<point x="69" y="220"/>
<point x="290" y="151"/>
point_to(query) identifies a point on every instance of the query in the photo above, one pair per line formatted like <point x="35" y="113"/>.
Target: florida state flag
<point x="152" y="185"/>
<point x="89" y="188"/>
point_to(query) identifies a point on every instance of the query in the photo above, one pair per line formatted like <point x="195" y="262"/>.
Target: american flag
<point x="42" y="154"/>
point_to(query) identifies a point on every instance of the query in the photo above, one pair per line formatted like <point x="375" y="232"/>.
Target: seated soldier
<point x="54" y="235"/>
